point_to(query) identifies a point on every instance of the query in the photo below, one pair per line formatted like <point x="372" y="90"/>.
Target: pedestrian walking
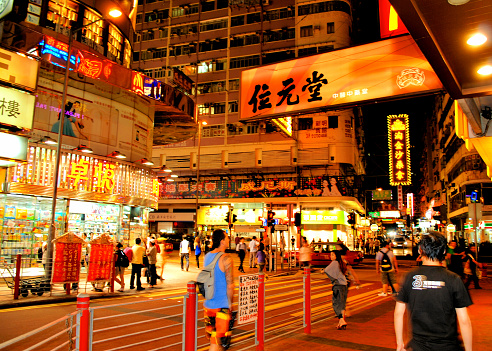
<point x="471" y="266"/>
<point x="184" y="252"/>
<point x="217" y="311"/>
<point x="241" y="251"/>
<point x="138" y="252"/>
<point x="387" y="266"/>
<point x="152" y="256"/>
<point x="161" y="257"/>
<point x="121" y="263"/>
<point x="198" y="250"/>
<point x="436" y="299"/>
<point x="336" y="271"/>
<point x="253" y="248"/>
<point x="261" y="258"/>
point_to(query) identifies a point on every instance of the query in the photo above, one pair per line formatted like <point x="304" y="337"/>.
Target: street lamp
<point x="114" y="13"/>
<point x="200" y="124"/>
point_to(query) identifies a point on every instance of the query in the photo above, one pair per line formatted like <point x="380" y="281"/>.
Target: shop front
<point x="210" y="218"/>
<point x="96" y="195"/>
<point x="326" y="226"/>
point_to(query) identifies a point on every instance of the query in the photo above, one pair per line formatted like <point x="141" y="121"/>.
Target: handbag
<point x="479" y="273"/>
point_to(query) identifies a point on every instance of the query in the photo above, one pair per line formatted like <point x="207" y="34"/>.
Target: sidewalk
<point x="372" y="328"/>
<point x="174" y="279"/>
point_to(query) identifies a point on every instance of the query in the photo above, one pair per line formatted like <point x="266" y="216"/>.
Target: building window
<point x="208" y="6"/>
<point x="305" y="123"/>
<point x="307" y="51"/>
<point x="233" y="106"/>
<point x="93" y="32"/>
<point x="237" y="21"/>
<point x="218" y="108"/>
<point x="127" y="56"/>
<point x="61" y="14"/>
<point x="330" y="28"/>
<point x="234" y="84"/>
<point x="148" y="35"/>
<point x="213" y="131"/>
<point x="245" y="61"/>
<point x="333" y="122"/>
<point x="212" y="25"/>
<point x="321" y="7"/>
<point x="115" y="40"/>
<point x="325" y="48"/>
<point x="253" y="18"/>
<point x="306" y="31"/>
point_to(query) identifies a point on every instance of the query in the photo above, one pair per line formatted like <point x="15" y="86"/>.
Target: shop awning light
<point x="165" y="169"/>
<point x="170" y="180"/>
<point x="174" y="176"/>
<point x="84" y="149"/>
<point x="146" y="162"/>
<point x="117" y="154"/>
<point x="48" y="140"/>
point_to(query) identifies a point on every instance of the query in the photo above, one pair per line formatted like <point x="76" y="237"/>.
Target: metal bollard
<point x="18" y="262"/>
<point x="260" y="322"/>
<point x="190" y="317"/>
<point x="83" y="301"/>
<point x="307" y="300"/>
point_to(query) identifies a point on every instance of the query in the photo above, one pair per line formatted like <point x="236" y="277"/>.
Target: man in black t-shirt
<point x="436" y="299"/>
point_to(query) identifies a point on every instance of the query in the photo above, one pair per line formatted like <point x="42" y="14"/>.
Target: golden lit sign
<point x="102" y="174"/>
<point x="155" y="187"/>
<point x="399" y="150"/>
<point x="138" y="83"/>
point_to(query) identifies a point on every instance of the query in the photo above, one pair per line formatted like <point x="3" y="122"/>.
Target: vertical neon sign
<point x="399" y="150"/>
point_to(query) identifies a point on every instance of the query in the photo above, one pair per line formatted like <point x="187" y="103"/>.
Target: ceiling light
<point x="115" y="13"/>
<point x="485" y="70"/>
<point x="477" y="39"/>
<point x="458" y="2"/>
<point x="48" y="140"/>
<point x="116" y="154"/>
<point x="84" y="149"/>
<point x="165" y="169"/>
<point x="174" y="176"/>
<point x="170" y="180"/>
<point x="146" y="162"/>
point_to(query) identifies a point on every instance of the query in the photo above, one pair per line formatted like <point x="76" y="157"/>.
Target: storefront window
<point x="93" y="218"/>
<point x="25" y="223"/>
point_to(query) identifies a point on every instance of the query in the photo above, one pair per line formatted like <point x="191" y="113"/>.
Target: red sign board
<point x="390" y="23"/>
<point x="100" y="262"/>
<point x="66" y="263"/>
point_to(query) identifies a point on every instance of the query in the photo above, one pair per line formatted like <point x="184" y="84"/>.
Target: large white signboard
<point x="16" y="108"/>
<point x="248" y="299"/>
<point x="18" y="70"/>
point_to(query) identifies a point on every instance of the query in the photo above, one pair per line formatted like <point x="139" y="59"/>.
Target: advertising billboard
<point x="399" y="152"/>
<point x="16" y="108"/>
<point x="391" y="67"/>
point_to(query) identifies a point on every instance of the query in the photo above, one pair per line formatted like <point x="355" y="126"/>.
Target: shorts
<point x="119" y="270"/>
<point x="217" y="325"/>
<point x="388" y="277"/>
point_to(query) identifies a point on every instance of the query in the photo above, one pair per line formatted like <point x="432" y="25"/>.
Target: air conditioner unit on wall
<point x="316" y="27"/>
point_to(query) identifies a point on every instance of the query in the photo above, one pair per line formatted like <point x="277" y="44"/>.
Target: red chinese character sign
<point x="399" y="150"/>
<point x="100" y="259"/>
<point x="66" y="260"/>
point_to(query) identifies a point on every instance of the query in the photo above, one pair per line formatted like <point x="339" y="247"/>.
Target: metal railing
<point x="61" y="334"/>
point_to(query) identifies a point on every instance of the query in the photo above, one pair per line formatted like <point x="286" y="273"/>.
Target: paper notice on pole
<point x="248" y="298"/>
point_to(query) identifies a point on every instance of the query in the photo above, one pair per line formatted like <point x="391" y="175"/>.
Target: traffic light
<point x="234" y="218"/>
<point x="270" y="220"/>
<point x="409" y="224"/>
<point x="227" y="216"/>
<point x="351" y="218"/>
<point x="297" y="219"/>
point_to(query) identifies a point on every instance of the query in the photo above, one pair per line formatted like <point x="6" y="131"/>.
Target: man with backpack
<point x="217" y="309"/>
<point x="388" y="267"/>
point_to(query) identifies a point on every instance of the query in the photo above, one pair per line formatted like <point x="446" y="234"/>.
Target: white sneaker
<point x="382" y="294"/>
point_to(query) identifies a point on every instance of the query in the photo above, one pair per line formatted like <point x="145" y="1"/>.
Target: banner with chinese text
<point x="261" y="188"/>
<point x="100" y="262"/>
<point x="66" y="262"/>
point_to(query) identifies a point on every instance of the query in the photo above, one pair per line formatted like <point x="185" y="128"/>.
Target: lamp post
<point x="200" y="124"/>
<point x="113" y="13"/>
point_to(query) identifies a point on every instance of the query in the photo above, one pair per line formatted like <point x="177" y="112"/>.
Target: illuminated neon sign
<point x="399" y="150"/>
<point x="390" y="23"/>
<point x="102" y="175"/>
<point x="285" y="124"/>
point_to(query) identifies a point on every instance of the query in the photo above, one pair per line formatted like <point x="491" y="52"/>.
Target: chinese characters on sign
<point x="102" y="175"/>
<point x="100" y="263"/>
<point x="390" y="67"/>
<point x="399" y="152"/>
<point x="66" y="263"/>
<point x="248" y="298"/>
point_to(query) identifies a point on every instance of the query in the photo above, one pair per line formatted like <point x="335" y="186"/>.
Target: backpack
<point x="122" y="260"/>
<point x="385" y="262"/>
<point x="206" y="278"/>
<point x="129" y="253"/>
